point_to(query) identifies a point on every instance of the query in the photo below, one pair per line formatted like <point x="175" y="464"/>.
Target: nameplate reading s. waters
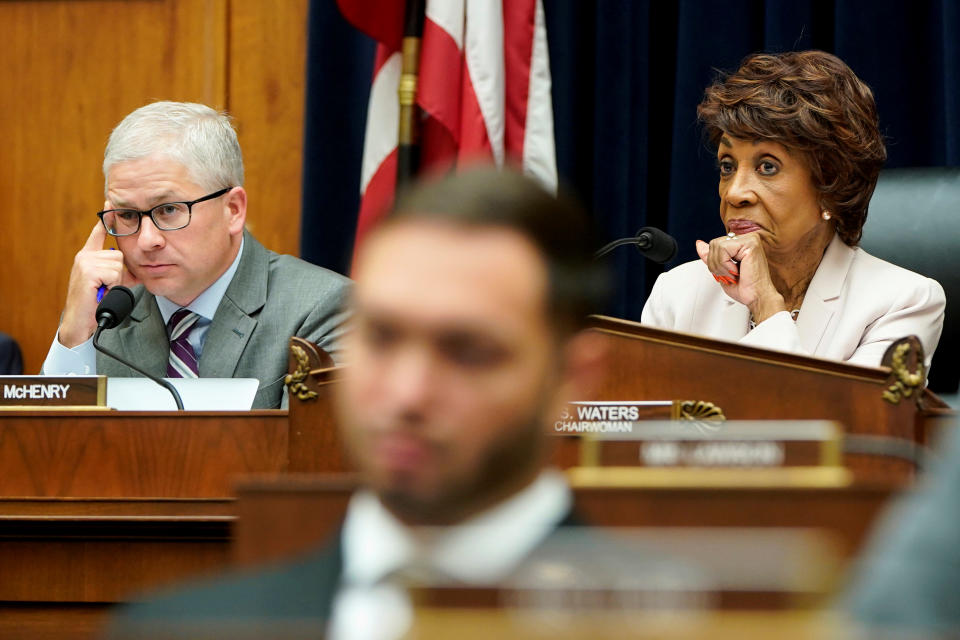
<point x="52" y="391"/>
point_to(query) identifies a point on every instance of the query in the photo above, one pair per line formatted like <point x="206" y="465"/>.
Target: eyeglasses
<point x="168" y="216"/>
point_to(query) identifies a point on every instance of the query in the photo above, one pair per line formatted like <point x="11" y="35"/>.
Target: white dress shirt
<point x="82" y="359"/>
<point x="483" y="550"/>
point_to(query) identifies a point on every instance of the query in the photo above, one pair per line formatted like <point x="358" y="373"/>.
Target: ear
<point x="235" y="208"/>
<point x="584" y="366"/>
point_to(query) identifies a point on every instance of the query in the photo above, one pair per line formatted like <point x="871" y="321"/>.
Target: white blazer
<point x="855" y="307"/>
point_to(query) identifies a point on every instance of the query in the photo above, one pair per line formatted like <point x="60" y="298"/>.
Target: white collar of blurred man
<point x="380" y="554"/>
<point x="457" y="367"/>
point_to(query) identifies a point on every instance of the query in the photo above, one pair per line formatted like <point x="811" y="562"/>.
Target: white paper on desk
<point x="198" y="394"/>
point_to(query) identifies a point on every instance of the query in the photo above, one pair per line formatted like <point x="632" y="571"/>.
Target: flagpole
<point x="408" y="148"/>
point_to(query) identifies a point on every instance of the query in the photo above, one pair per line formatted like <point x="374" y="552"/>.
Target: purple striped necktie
<point x="183" y="360"/>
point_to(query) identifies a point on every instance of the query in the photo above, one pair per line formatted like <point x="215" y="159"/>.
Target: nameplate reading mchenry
<point x="53" y="391"/>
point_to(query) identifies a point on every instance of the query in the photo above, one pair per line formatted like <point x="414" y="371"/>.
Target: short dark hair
<point x="557" y="226"/>
<point x="809" y="101"/>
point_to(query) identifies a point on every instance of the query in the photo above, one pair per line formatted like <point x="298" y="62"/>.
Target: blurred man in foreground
<point x="468" y="308"/>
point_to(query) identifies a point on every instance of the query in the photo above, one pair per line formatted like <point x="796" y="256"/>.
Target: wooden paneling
<point x="283" y="516"/>
<point x="266" y="74"/>
<point x="109" y="454"/>
<point x="646" y="363"/>
<point x="305" y="510"/>
<point x="72" y="69"/>
<point x="67" y="560"/>
<point x="27" y="621"/>
<point x="111" y="564"/>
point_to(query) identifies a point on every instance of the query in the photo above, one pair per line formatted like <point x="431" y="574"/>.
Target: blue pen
<point x="103" y="288"/>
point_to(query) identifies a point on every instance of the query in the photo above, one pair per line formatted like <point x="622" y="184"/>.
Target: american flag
<point x="484" y="89"/>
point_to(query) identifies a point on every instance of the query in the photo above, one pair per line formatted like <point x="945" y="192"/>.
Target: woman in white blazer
<point x="798" y="152"/>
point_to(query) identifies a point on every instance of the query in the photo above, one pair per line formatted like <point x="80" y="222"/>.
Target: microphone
<point x="114" y="307"/>
<point x="112" y="310"/>
<point x="653" y="243"/>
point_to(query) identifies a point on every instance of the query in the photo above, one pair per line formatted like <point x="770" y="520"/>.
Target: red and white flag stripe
<point x="484" y="89"/>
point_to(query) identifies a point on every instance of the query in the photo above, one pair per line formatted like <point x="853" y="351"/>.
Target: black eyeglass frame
<point x="149" y="212"/>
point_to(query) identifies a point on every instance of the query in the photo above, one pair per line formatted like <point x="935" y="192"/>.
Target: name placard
<point x="52" y="391"/>
<point x="581" y="418"/>
<point x="773" y="443"/>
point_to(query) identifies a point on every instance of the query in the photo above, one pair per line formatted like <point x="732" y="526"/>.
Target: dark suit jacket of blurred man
<point x="292" y="600"/>
<point x="909" y="578"/>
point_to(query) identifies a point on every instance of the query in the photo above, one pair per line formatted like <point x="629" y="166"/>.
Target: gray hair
<point x="196" y="136"/>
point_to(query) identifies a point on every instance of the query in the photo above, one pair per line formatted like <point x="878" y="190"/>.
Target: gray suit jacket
<point x="270" y="298"/>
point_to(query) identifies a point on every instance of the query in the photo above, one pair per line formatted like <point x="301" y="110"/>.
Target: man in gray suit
<point x="211" y="301"/>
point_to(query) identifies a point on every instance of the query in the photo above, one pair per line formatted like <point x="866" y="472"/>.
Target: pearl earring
<point x="826" y="214"/>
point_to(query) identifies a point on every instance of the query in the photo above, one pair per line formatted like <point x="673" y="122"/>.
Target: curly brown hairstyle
<point x="811" y="102"/>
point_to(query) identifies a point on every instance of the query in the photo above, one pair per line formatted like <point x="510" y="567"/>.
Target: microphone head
<point x="115" y="307"/>
<point x="656" y="245"/>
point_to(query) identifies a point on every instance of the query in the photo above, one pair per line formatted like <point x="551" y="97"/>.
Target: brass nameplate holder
<point x="596" y="421"/>
<point x="907" y="373"/>
<point x="308" y="366"/>
<point x="295" y="380"/>
<point x="53" y="392"/>
<point x="734" y="444"/>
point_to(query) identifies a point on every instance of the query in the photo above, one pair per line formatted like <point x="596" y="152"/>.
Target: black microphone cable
<point x="653" y="243"/>
<point x="112" y="310"/>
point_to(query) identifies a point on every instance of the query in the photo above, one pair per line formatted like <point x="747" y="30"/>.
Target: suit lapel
<point x="822" y="298"/>
<point x="145" y="336"/>
<point x="732" y="319"/>
<point x="235" y="319"/>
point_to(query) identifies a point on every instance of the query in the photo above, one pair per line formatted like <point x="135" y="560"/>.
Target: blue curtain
<point x="339" y="70"/>
<point x="627" y="77"/>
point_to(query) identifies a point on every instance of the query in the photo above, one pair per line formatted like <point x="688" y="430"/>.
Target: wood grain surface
<point x="73" y="69"/>
<point x="110" y="454"/>
<point x="283" y="516"/>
